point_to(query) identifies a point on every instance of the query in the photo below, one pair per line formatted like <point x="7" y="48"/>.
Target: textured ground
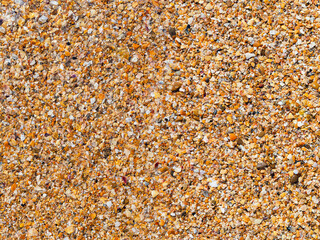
<point x="159" y="119"/>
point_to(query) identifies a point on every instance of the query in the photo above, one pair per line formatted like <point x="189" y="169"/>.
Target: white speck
<point x="139" y="75"/>
<point x="249" y="55"/>
<point x="299" y="42"/>
<point x="315" y="199"/>
<point x="135" y="231"/>
<point x="177" y="169"/>
<point x="50" y="113"/>
<point x="19" y="2"/>
<point x="223" y="210"/>
<point x="87" y="64"/>
<point x="61" y="66"/>
<point x="190" y="20"/>
<point x="71" y="117"/>
<point x="22" y="137"/>
<point x="205" y="139"/>
<point x="300" y="124"/>
<point x="2" y="30"/>
<point x="127" y="152"/>
<point x="109" y="204"/>
<point x="43" y="19"/>
<point x="38" y="189"/>
<point x="295" y="171"/>
<point x="15" y="57"/>
<point x="117" y="224"/>
<point x="93" y="100"/>
<point x="213" y="183"/>
<point x="312" y="45"/>
<point x="7" y="61"/>
<point x="273" y="32"/>
<point x="55" y="3"/>
<point x="134" y="59"/>
<point x="129" y="119"/>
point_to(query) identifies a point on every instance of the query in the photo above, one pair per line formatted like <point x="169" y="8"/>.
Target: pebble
<point x="172" y="32"/>
<point x="20" y="2"/>
<point x="50" y="113"/>
<point x="55" y="3"/>
<point x="262" y="165"/>
<point x="69" y="229"/>
<point x="177" y="169"/>
<point x="257" y="221"/>
<point x="295" y="178"/>
<point x="205" y="193"/>
<point x="249" y="55"/>
<point x="273" y="32"/>
<point x="154" y="193"/>
<point x="232" y="136"/>
<point x="213" y="183"/>
<point x="240" y="141"/>
<point x="312" y="45"/>
<point x="109" y="204"/>
<point x="163" y="169"/>
<point x="209" y="6"/>
<point x="176" y="86"/>
<point x="32" y="232"/>
<point x="261" y="134"/>
<point x="43" y="19"/>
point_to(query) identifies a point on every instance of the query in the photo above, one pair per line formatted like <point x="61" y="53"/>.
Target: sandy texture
<point x="159" y="120"/>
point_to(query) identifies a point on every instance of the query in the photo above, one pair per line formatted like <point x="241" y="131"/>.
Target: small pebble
<point x="43" y="19"/>
<point x="69" y="229"/>
<point x="209" y="6"/>
<point x="154" y="193"/>
<point x="295" y="178"/>
<point x="262" y="165"/>
<point x="176" y="87"/>
<point x="232" y="136"/>
<point x="249" y="55"/>
<point x="213" y="183"/>
<point x="55" y="3"/>
<point x="109" y="204"/>
<point x="32" y="232"/>
<point x="172" y="32"/>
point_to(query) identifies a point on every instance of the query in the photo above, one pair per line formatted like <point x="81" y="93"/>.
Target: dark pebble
<point x="295" y="178"/>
